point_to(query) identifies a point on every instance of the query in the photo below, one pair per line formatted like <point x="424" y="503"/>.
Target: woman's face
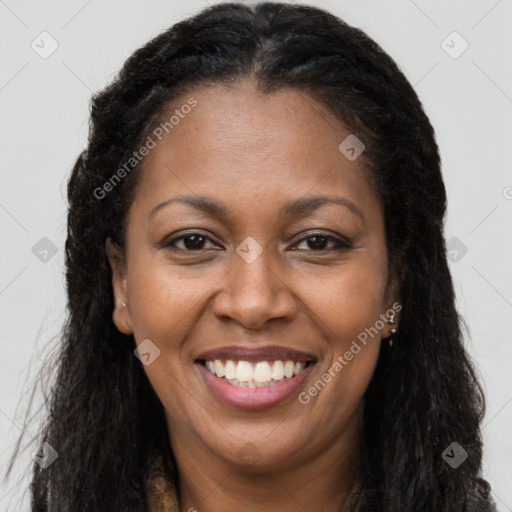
<point x="244" y="275"/>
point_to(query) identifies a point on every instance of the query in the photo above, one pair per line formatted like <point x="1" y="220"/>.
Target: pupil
<point x="317" y="245"/>
<point x="196" y="243"/>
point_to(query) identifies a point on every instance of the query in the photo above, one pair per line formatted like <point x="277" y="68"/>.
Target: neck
<point x="317" y="483"/>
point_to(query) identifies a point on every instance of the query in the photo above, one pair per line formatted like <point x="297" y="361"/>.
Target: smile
<point x="246" y="374"/>
<point x="253" y="377"/>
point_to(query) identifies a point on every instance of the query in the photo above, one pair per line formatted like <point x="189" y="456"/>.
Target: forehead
<point x="249" y="149"/>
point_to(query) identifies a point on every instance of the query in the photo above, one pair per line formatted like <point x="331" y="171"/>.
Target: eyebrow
<point x="294" y="207"/>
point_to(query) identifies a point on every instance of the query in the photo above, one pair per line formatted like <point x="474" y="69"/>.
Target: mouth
<point x="246" y="374"/>
<point x="252" y="379"/>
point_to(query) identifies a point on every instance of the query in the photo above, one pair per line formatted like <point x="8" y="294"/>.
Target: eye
<point x="190" y="242"/>
<point x="318" y="241"/>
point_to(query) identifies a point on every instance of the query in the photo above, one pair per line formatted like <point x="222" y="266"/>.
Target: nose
<point x="254" y="293"/>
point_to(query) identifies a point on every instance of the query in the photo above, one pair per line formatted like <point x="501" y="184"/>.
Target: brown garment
<point x="160" y="490"/>
<point x="162" y="494"/>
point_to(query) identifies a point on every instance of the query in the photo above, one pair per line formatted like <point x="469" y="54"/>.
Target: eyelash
<point x="341" y="244"/>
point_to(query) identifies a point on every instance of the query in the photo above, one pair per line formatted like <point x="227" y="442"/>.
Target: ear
<point x="120" y="315"/>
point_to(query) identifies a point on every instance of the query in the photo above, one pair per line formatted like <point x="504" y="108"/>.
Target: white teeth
<point x="277" y="370"/>
<point x="248" y="374"/>
<point x="298" y="368"/>
<point x="230" y="370"/>
<point x="219" y="368"/>
<point x="262" y="372"/>
<point x="252" y="384"/>
<point x="288" y="369"/>
<point x="244" y="371"/>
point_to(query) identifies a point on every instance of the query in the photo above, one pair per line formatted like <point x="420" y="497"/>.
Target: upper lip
<point x="249" y="353"/>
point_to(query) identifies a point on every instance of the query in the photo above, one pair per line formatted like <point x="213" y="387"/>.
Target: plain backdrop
<point x="44" y="106"/>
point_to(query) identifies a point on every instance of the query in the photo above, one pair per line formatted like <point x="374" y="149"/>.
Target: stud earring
<point x="124" y="304"/>
<point x="391" y="320"/>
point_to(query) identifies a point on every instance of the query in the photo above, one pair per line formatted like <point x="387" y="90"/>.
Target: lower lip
<point x="251" y="399"/>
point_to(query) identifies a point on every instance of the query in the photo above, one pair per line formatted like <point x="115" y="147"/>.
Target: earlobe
<point x="120" y="315"/>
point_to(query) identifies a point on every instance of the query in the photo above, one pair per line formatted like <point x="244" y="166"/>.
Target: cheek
<point x="348" y="306"/>
<point x="348" y="300"/>
<point x="166" y="301"/>
<point x="355" y="305"/>
<point x="165" y="306"/>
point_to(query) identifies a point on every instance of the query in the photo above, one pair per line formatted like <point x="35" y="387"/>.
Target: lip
<point x="252" y="399"/>
<point x="252" y="354"/>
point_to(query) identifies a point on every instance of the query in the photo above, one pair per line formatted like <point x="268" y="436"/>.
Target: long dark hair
<point x="104" y="419"/>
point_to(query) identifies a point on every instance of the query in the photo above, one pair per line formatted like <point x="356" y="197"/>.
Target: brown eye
<point x="320" y="241"/>
<point x="191" y="242"/>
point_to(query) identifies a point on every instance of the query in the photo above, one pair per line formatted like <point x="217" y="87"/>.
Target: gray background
<point x="44" y="106"/>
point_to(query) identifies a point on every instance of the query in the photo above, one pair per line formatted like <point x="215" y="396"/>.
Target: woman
<point x="261" y="314"/>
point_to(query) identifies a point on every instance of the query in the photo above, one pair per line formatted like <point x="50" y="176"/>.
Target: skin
<point x="253" y="152"/>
